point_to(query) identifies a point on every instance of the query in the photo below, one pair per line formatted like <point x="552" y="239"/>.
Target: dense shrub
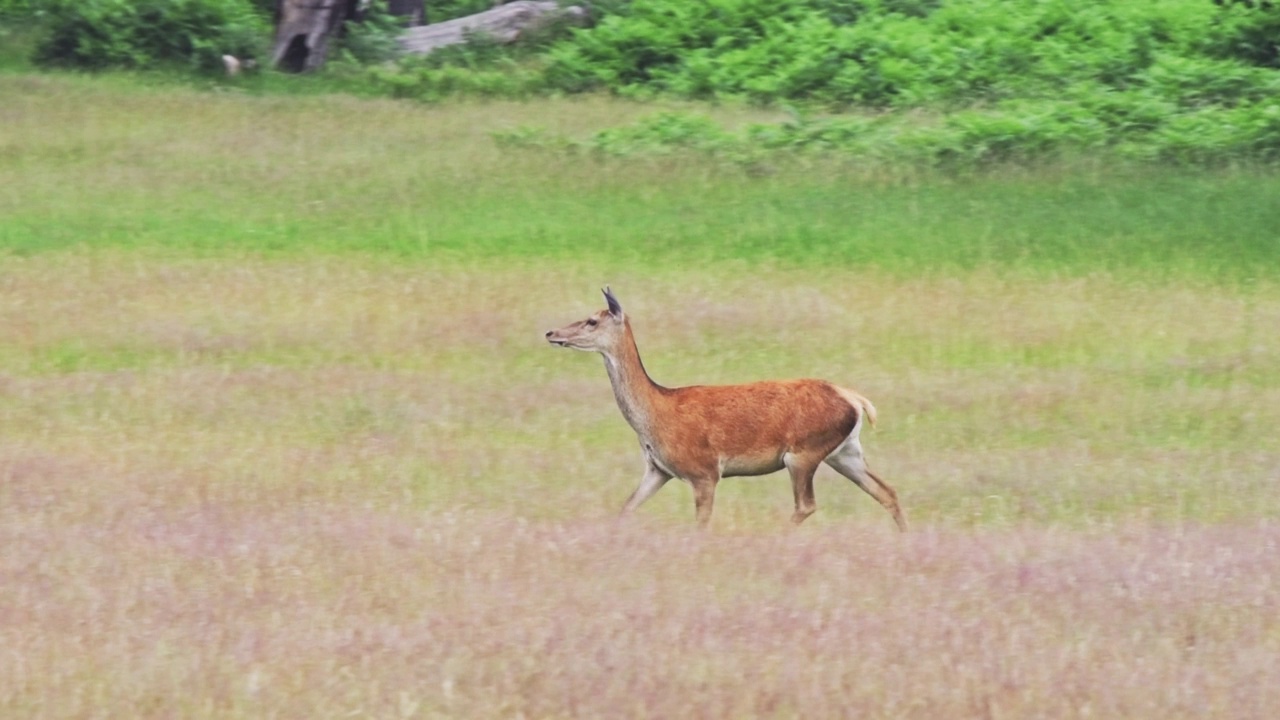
<point x="912" y="53"/>
<point x="873" y="52"/>
<point x="1017" y="130"/>
<point x="1249" y="30"/>
<point x="18" y="8"/>
<point x="374" y="39"/>
<point x="1182" y="80"/>
<point x="142" y="33"/>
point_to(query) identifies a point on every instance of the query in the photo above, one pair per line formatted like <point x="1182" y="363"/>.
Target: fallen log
<point x="503" y="24"/>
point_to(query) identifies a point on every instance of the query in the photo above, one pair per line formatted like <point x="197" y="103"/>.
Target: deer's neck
<point x="637" y="394"/>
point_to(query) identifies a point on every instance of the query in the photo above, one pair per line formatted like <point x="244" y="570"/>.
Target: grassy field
<point x="280" y="437"/>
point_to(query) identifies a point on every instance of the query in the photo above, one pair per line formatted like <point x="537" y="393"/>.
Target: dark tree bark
<point x="303" y="31"/>
<point x="413" y="11"/>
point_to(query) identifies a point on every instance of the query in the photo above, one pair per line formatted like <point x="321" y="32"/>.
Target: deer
<point x="704" y="433"/>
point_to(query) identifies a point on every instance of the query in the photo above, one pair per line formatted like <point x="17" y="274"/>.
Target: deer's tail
<point x="861" y="404"/>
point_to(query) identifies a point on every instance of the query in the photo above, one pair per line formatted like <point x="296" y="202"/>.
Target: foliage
<point x="1182" y="80"/>
<point x="910" y="53"/>
<point x="375" y="38"/>
<point x="1011" y="130"/>
<point x="480" y="51"/>
<point x="266" y="8"/>
<point x="141" y="33"/>
<point x="441" y="10"/>
<point x="1019" y="79"/>
<point x="481" y="66"/>
<point x="1250" y="31"/>
<point x="436" y="10"/>
<point x="19" y="8"/>
<point x="19" y="31"/>
<point x="864" y="52"/>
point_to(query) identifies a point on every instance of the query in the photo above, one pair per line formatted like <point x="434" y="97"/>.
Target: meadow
<point x="280" y="436"/>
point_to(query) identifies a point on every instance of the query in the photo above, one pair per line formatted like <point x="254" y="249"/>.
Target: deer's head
<point x="599" y="332"/>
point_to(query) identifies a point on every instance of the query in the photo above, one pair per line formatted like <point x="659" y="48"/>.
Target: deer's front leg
<point x="704" y="498"/>
<point x="653" y="480"/>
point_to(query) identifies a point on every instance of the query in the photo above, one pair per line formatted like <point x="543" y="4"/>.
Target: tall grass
<point x="1005" y="400"/>
<point x="210" y="611"/>
<point x="279" y="434"/>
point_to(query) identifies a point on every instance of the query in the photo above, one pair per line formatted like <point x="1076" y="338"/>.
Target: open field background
<point x="279" y="436"/>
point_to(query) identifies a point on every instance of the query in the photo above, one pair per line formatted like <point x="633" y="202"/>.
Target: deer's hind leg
<point x="849" y="462"/>
<point x="802" y="469"/>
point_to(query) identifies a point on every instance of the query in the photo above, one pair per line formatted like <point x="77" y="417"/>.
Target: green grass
<point x="87" y="163"/>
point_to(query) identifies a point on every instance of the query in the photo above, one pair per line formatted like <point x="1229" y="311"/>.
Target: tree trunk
<point x="303" y="30"/>
<point x="503" y="23"/>
<point x="413" y="11"/>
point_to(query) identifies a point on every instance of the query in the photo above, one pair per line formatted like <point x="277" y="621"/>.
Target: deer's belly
<point x="761" y="464"/>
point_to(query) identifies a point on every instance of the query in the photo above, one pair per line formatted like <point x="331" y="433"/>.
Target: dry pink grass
<point x="294" y="488"/>
<point x="202" y="609"/>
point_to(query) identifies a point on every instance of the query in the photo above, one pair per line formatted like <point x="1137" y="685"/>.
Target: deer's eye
<point x="591" y="322"/>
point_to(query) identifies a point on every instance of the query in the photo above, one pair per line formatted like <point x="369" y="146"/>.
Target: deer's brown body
<point x="704" y="433"/>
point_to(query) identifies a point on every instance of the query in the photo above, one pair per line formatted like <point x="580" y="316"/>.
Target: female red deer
<point x="702" y="433"/>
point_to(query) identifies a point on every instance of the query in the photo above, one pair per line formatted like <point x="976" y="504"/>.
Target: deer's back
<point x="749" y="427"/>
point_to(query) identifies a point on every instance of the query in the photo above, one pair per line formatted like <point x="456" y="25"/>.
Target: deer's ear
<point x="615" y="308"/>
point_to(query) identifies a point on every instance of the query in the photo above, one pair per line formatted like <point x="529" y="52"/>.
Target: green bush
<point x="869" y="52"/>
<point x="1249" y="30"/>
<point x="374" y="39"/>
<point x="146" y="33"/>
<point x="1216" y="135"/>
<point x="18" y="8"/>
<point x="1179" y="81"/>
<point x="1015" y="130"/>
